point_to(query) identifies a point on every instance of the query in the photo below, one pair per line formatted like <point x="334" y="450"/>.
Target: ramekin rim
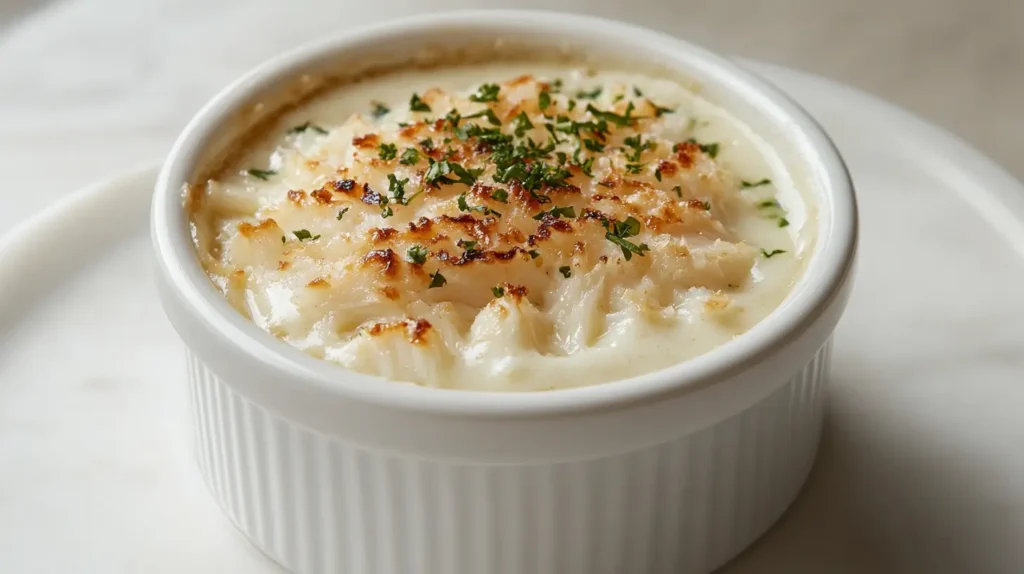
<point x="827" y="270"/>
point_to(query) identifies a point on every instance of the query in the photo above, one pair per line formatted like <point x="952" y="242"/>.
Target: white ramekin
<point x="327" y="470"/>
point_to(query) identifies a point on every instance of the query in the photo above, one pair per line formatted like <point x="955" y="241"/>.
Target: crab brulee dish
<point x="516" y="226"/>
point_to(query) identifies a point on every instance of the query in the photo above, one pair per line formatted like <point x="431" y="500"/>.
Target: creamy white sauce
<point x="704" y="281"/>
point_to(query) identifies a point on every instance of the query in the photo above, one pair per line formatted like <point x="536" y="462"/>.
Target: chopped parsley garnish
<point x="706" y="205"/>
<point x="544" y="100"/>
<point x="436" y="280"/>
<point x="463" y="206"/>
<point x="783" y="222"/>
<point x="593" y="145"/>
<point x="263" y="174"/>
<point x="572" y="104"/>
<point x="635" y="168"/>
<point x="438" y="174"/>
<point x="619" y="231"/>
<point x="556" y="84"/>
<point x="388" y="151"/>
<point x="307" y="126"/>
<point x="417" y="254"/>
<point x="768" y="203"/>
<point x="679" y="190"/>
<point x="557" y="212"/>
<point x="748" y="184"/>
<point x="591" y="95"/>
<point x="500" y="195"/>
<point x="534" y="253"/>
<point x="410" y="156"/>
<point x="637" y="92"/>
<point x="585" y="166"/>
<point x="522" y="123"/>
<point x="454" y="118"/>
<point x="469" y="246"/>
<point x="772" y="253"/>
<point x="418" y="105"/>
<point x="305" y="235"/>
<point x="498" y="291"/>
<point x="386" y="212"/>
<point x="427" y="144"/>
<point x="618" y="98"/>
<point x="660" y="111"/>
<point x="342" y="213"/>
<point x="486" y="93"/>
<point x="612" y="117"/>
<point x="379" y="110"/>
<point x="711" y="149"/>
<point x="397" y="188"/>
<point x="638" y="146"/>
<point x="657" y="174"/>
<point x="565" y="271"/>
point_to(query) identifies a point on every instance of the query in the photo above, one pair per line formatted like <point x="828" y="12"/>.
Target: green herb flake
<point x="417" y="254"/>
<point x="783" y="222"/>
<point x="749" y="184"/>
<point x="498" y="291"/>
<point x="342" y="213"/>
<point x="565" y="271"/>
<point x="522" y="123"/>
<point x="591" y="95"/>
<point x="534" y="253"/>
<point x="635" y="168"/>
<point x="436" y="280"/>
<point x="618" y="98"/>
<point x="618" y="231"/>
<point x="386" y="212"/>
<point x="397" y="188"/>
<point x="500" y="195"/>
<point x="264" y="174"/>
<point x="772" y="253"/>
<point x="637" y="92"/>
<point x="612" y="117"/>
<point x="657" y="174"/>
<point x="486" y="93"/>
<point x="427" y="144"/>
<point x="711" y="149"/>
<point x="544" y="100"/>
<point x="438" y="174"/>
<point x="379" y="110"/>
<point x="301" y="128"/>
<point x="572" y="105"/>
<point x="679" y="191"/>
<point x="387" y="151"/>
<point x="305" y="235"/>
<point x="418" y="105"/>
<point x="593" y="145"/>
<point x="660" y="111"/>
<point x="768" y="204"/>
<point x="556" y="212"/>
<point x="706" y="205"/>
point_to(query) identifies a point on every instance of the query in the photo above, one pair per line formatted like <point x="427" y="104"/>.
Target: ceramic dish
<point x="326" y="470"/>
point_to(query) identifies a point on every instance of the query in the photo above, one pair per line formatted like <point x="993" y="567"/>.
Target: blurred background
<point x="92" y="87"/>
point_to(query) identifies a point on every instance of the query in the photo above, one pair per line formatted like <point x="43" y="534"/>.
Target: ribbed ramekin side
<point x="317" y="504"/>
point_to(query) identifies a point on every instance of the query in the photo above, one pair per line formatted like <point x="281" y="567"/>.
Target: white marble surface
<point x="91" y="87"/>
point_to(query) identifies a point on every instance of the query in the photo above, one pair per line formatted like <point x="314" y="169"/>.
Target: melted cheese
<point x="404" y="244"/>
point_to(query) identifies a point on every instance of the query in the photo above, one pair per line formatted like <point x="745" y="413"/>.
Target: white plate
<point x="920" y="468"/>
